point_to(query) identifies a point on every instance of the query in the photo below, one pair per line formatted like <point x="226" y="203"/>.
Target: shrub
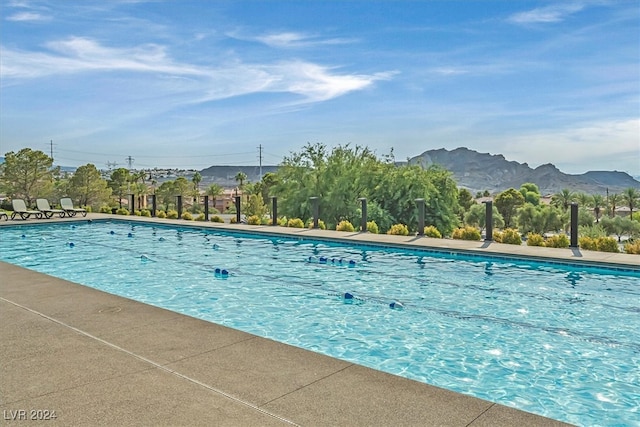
<point x="510" y="236"/>
<point x="321" y="224"/>
<point x="557" y="241"/>
<point x="399" y="230"/>
<point x="122" y="211"/>
<point x="161" y="214"/>
<point x="372" y="227"/>
<point x="88" y="208"/>
<point x="431" y="231"/>
<point x="187" y="216"/>
<point x="295" y="223"/>
<point x="345" y="226"/>
<point x="172" y="214"/>
<point x="253" y="220"/>
<point x="282" y="221"/>
<point x="105" y="209"/>
<point x="137" y="212"/>
<point x="145" y="212"/>
<point x="466" y="233"/>
<point x="534" y="239"/>
<point x="265" y="221"/>
<point x="200" y="217"/>
<point x="607" y="244"/>
<point x="216" y="218"/>
<point x="588" y="243"/>
<point x="632" y="247"/>
<point x="233" y="220"/>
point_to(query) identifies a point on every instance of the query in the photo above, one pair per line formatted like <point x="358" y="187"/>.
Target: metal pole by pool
<point x="488" y="220"/>
<point x="179" y="206"/>
<point x="274" y="210"/>
<point x="238" y="209"/>
<point x="315" y="210"/>
<point x="420" y="203"/>
<point x="574" y="225"/>
<point x="206" y="208"/>
<point x="154" y="205"/>
<point x="363" y="221"/>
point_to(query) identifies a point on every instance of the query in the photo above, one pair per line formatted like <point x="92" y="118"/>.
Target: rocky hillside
<point x="482" y="171"/>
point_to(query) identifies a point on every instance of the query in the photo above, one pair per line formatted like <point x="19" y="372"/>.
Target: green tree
<point x="266" y="185"/>
<point x="597" y="202"/>
<point x="197" y="179"/>
<point x="563" y="199"/>
<point x="613" y="201"/>
<point x="477" y="217"/>
<point x="620" y="226"/>
<point x="120" y="182"/>
<point x="631" y="197"/>
<point x="87" y="188"/>
<point x="27" y="174"/>
<point x="255" y="206"/>
<point x="583" y="199"/>
<point x="241" y="177"/>
<point x="465" y="199"/>
<point x="214" y="191"/>
<point x="508" y="203"/>
<point x="531" y="193"/>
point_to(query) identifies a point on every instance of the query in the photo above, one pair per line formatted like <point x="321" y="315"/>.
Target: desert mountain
<point x="483" y="171"/>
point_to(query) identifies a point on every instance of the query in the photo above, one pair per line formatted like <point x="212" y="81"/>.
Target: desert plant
<point x="399" y="230"/>
<point x="557" y="241"/>
<point x="145" y="213"/>
<point x="265" y="221"/>
<point x="295" y="223"/>
<point x="122" y="211"/>
<point x="607" y="244"/>
<point x="200" y="217"/>
<point x="161" y="214"/>
<point x="466" y="233"/>
<point x="345" y="226"/>
<point x="233" y="220"/>
<point x="431" y="231"/>
<point x="510" y="236"/>
<point x="321" y="224"/>
<point x="588" y="243"/>
<point x="216" y="218"/>
<point x="172" y="214"/>
<point x="282" y="221"/>
<point x="632" y="247"/>
<point x="372" y="227"/>
<point x="187" y="216"/>
<point x="105" y="209"/>
<point x="137" y="212"/>
<point x="253" y="220"/>
<point x="534" y="239"/>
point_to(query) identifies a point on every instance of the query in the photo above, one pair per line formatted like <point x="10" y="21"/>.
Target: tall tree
<point x="613" y="201"/>
<point x="27" y="174"/>
<point x="119" y="183"/>
<point x="563" y="199"/>
<point x="531" y="193"/>
<point x="87" y="187"/>
<point x="214" y="191"/>
<point x="508" y="203"/>
<point x="597" y="201"/>
<point x="241" y="177"/>
<point x="631" y="197"/>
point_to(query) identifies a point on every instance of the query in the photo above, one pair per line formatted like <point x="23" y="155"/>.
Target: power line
<point x="260" y="157"/>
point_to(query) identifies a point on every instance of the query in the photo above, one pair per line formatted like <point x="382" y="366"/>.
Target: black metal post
<point x="420" y="203"/>
<point x="363" y="221"/>
<point x="238" y="209"/>
<point x="132" y="205"/>
<point x="154" y="205"/>
<point x="206" y="207"/>
<point x="315" y="210"/>
<point x="179" y="206"/>
<point x="274" y="210"/>
<point x="488" y="220"/>
<point x="574" y="225"/>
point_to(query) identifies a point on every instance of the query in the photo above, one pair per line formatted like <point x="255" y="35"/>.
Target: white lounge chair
<point x="67" y="205"/>
<point x="20" y="209"/>
<point x="44" y="207"/>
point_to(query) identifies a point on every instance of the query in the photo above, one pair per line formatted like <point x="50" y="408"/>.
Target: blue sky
<point x="197" y="83"/>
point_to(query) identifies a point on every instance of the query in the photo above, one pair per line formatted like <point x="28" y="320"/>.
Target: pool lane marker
<point x="155" y="364"/>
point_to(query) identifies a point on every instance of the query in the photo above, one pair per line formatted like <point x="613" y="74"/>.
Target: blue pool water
<point x="557" y="340"/>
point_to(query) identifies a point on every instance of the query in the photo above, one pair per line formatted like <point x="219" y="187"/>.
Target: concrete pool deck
<point x="99" y="359"/>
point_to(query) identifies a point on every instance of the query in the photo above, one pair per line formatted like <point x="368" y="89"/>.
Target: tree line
<point x="338" y="177"/>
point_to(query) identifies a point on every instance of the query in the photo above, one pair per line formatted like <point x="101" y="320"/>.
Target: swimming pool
<point x="560" y="341"/>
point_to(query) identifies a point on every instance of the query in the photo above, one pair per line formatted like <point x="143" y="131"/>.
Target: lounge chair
<point x="20" y="208"/>
<point x="4" y="215"/>
<point x="67" y="205"/>
<point x="44" y="207"/>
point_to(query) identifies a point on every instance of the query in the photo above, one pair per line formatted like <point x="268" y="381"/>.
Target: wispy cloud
<point x="27" y="17"/>
<point x="75" y="55"/>
<point x="289" y="39"/>
<point x="548" y="14"/>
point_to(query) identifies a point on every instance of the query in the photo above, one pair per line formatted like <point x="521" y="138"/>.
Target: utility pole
<point x="51" y="148"/>
<point x="260" y="157"/>
<point x="130" y="162"/>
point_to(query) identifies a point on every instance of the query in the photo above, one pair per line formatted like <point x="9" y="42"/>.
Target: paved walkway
<point x="92" y="358"/>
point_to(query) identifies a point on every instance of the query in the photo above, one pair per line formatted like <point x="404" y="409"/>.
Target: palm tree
<point x="197" y="179"/>
<point x="597" y="202"/>
<point x="241" y="177"/>
<point x="631" y="196"/>
<point x="583" y="199"/>
<point x="614" y="201"/>
<point x="214" y="190"/>
<point x="563" y="199"/>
